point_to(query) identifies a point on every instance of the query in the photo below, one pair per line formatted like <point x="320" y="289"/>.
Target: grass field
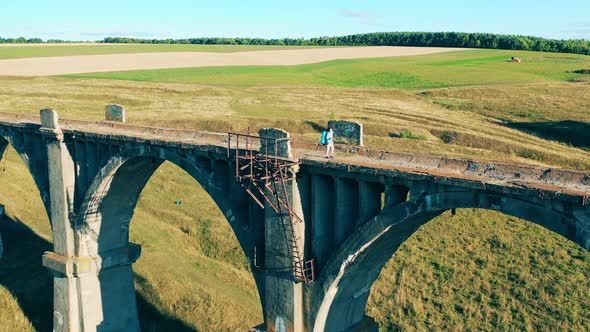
<point x="477" y="270"/>
<point x="19" y="52"/>
<point x="474" y="67"/>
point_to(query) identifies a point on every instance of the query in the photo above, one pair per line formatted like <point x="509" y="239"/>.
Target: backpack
<point x="324" y="140"/>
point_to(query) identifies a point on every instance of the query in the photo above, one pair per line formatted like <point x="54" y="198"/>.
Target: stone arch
<point x="34" y="156"/>
<point x="103" y="226"/>
<point x="22" y="236"/>
<point x="342" y="289"/>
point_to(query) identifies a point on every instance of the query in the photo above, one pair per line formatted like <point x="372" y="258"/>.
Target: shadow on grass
<point x="315" y="126"/>
<point x="31" y="284"/>
<point x="150" y="319"/>
<point x="574" y="133"/>
<point x="23" y="275"/>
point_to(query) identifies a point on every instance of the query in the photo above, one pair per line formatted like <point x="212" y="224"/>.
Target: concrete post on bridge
<point x="116" y="113"/>
<point x="62" y="261"/>
<point x="347" y="132"/>
<point x="275" y="141"/>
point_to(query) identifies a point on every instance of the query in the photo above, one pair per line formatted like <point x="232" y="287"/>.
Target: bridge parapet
<point x="571" y="179"/>
<point x="503" y="177"/>
<point x="119" y="131"/>
<point x="515" y="175"/>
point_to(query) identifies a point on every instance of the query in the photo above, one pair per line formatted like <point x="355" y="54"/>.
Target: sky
<point x="94" y="20"/>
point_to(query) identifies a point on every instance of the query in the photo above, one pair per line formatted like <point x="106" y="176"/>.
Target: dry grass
<point x="475" y="271"/>
<point x="300" y="109"/>
<point x="24" y="295"/>
<point x="11" y="315"/>
<point x="463" y="273"/>
<point x="520" y="102"/>
<point x="204" y="267"/>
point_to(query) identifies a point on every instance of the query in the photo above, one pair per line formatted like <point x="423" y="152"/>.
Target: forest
<point x="424" y="39"/>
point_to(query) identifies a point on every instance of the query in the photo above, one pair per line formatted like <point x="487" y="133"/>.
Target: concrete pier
<point x="119" y="304"/>
<point x="346" y="209"/>
<point x="395" y="194"/>
<point x="322" y="217"/>
<point x="61" y="183"/>
<point x="369" y="200"/>
<point x="283" y="301"/>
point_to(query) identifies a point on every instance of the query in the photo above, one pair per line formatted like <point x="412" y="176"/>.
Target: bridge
<point x="315" y="246"/>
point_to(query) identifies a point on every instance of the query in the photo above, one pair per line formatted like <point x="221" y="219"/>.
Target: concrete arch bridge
<point x="315" y="247"/>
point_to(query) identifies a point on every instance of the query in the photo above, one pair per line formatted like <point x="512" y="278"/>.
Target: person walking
<point x="329" y="143"/>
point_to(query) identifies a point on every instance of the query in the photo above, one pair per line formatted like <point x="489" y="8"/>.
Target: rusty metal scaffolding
<point x="265" y="177"/>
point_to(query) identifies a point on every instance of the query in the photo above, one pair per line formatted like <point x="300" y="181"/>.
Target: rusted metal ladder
<point x="265" y="178"/>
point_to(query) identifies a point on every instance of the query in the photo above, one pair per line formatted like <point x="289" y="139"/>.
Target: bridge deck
<point x="468" y="172"/>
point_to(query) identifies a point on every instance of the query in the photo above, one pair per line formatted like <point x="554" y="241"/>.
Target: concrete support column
<point x="283" y="304"/>
<point x="582" y="216"/>
<point x="66" y="307"/>
<point x="106" y="292"/>
<point x="256" y="225"/>
<point x="346" y="210"/>
<point x="369" y="200"/>
<point x="61" y="192"/>
<point x="92" y="165"/>
<point x="323" y="199"/>
<point x="236" y="194"/>
<point x="395" y="195"/>
<point x="117" y="291"/>
<point x="305" y="194"/>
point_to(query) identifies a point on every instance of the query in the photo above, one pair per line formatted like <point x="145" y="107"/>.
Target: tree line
<point x="425" y="39"/>
<point x="23" y="40"/>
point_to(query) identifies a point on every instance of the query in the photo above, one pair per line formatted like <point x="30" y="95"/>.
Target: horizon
<point x="180" y="19"/>
<point x="279" y="38"/>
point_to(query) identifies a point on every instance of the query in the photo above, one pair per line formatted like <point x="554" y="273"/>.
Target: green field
<point x="19" y="52"/>
<point x="477" y="270"/>
<point x="474" y="67"/>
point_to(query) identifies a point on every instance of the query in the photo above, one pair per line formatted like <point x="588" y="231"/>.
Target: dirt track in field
<point x="48" y="66"/>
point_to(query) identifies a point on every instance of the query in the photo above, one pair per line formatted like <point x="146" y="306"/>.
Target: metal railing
<point x="264" y="176"/>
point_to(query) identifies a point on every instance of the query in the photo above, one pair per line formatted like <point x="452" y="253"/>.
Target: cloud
<point x="365" y="17"/>
<point x="113" y="33"/>
<point x="356" y="13"/>
<point x="577" y="31"/>
<point x="582" y="28"/>
<point x="361" y="16"/>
